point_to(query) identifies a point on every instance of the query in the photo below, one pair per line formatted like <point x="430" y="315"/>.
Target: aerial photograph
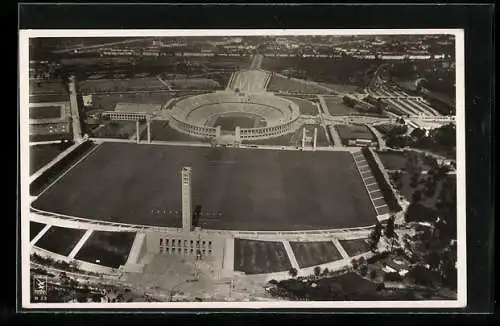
<point x="252" y="168"/>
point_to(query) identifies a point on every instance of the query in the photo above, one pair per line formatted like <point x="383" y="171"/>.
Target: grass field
<point x="45" y="112"/>
<point x="251" y="189"/>
<point x="257" y="257"/>
<point x="336" y="107"/>
<point x="60" y="240"/>
<point x="35" y="228"/>
<point x="314" y="253"/>
<point x="305" y="106"/>
<point x="283" y="84"/>
<point x="50" y="137"/>
<point x="43" y="154"/>
<point x="115" y="129"/>
<point x="108" y="101"/>
<point x="110" y="248"/>
<point x="355" y="247"/>
<point x="352" y="131"/>
<point x="340" y="71"/>
<point x="114" y="85"/>
<point x="229" y="123"/>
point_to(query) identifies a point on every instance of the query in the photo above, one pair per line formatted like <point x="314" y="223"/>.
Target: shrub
<point x="363" y="270"/>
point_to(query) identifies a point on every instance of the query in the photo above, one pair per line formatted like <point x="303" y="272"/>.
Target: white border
<point x="25" y="35"/>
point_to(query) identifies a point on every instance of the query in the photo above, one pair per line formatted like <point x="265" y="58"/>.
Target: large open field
<point x="283" y="84"/>
<point x="336" y="106"/>
<point x="45" y="112"/>
<point x="60" y="240"/>
<point x="240" y="188"/>
<point x="109" y="101"/>
<point x="355" y="247"/>
<point x="256" y="257"/>
<point x="315" y="253"/>
<point x="344" y="71"/>
<point x="229" y="123"/>
<point x="107" y="248"/>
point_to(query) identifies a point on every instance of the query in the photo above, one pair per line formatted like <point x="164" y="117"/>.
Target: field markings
<point x="69" y="169"/>
<point x="371" y="184"/>
<point x="291" y="255"/>
<point x="378" y="198"/>
<point x="40" y="234"/>
<point x="340" y="249"/>
<point x="377" y="207"/>
<point x="80" y="243"/>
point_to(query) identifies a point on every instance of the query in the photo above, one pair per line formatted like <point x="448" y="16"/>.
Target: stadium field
<point x="314" y="253"/>
<point x="109" y="249"/>
<point x="257" y="257"/>
<point x="35" y="228"/>
<point x="245" y="189"/>
<point x="229" y="123"/>
<point x="60" y="240"/>
<point x="355" y="247"/>
<point x="45" y="112"/>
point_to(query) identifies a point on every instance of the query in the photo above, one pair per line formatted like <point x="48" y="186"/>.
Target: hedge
<point x="384" y="186"/>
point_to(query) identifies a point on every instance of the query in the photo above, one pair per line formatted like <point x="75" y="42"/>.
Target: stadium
<point x="113" y="204"/>
<point x="247" y="116"/>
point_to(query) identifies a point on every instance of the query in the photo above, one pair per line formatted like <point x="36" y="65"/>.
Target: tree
<point x="389" y="229"/>
<point x="354" y="263"/>
<point x="433" y="259"/>
<point x="293" y="272"/>
<point x="326" y="271"/>
<point x="375" y="236"/>
<point x="363" y="270"/>
<point x="373" y="274"/>
<point x="317" y="271"/>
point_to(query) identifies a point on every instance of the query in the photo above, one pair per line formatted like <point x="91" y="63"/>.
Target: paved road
<point x="256" y="61"/>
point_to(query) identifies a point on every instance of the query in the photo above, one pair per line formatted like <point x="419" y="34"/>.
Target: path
<point x="256" y="61"/>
